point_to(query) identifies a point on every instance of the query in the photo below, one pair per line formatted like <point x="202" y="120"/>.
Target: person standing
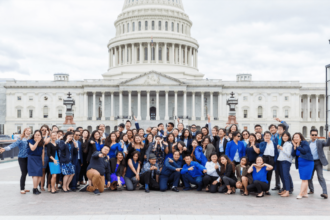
<point x="22" y="145"/>
<point x="54" y="166"/>
<point x="35" y="151"/>
<point x="320" y="160"/>
<point x="304" y="162"/>
<point x="67" y="148"/>
<point x="170" y="174"/>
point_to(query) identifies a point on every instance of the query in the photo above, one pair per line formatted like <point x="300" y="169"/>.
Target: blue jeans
<point x="187" y="179"/>
<point x="174" y="179"/>
<point x="284" y="170"/>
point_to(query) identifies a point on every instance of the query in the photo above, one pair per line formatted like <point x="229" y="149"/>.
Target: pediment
<point x="152" y="78"/>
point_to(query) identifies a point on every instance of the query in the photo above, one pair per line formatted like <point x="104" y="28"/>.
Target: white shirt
<point x="285" y="154"/>
<point x="211" y="171"/>
<point x="269" y="151"/>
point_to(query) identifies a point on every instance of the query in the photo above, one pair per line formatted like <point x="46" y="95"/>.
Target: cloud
<point x="273" y="40"/>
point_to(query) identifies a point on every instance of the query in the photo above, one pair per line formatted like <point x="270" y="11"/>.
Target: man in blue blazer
<point x="320" y="160"/>
<point x="77" y="161"/>
<point x="269" y="152"/>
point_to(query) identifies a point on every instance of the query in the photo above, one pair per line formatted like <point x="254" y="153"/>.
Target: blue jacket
<point x="232" y="148"/>
<point x="262" y="147"/>
<point x="196" y="172"/>
<point x="75" y="156"/>
<point x="169" y="168"/>
<point x="199" y="155"/>
<point x="305" y="152"/>
<point x="65" y="152"/>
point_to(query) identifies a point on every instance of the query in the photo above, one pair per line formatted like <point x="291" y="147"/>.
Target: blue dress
<point x="305" y="167"/>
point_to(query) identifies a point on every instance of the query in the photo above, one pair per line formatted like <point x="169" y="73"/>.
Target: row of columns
<point x="125" y="54"/>
<point x="148" y="104"/>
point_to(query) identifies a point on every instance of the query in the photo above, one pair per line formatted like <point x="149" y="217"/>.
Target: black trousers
<point x="258" y="186"/>
<point x="146" y="178"/>
<point x="24" y="171"/>
<point x="208" y="180"/>
<point x="269" y="160"/>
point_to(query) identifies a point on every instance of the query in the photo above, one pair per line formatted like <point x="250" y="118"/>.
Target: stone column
<point x="185" y="55"/>
<point x="133" y="54"/>
<point x="141" y="58"/>
<point x="139" y="105"/>
<point x="94" y="106"/>
<point x="173" y="52"/>
<point x="308" y="107"/>
<point x="125" y="55"/>
<point x="116" y="57"/>
<point x="129" y="103"/>
<point x="149" y="53"/>
<point x="202" y="106"/>
<point x="180" y="55"/>
<point x="157" y="106"/>
<point x="175" y="103"/>
<point x="317" y="108"/>
<point x="85" y="105"/>
<point x="112" y="106"/>
<point x="166" y="106"/>
<point x="157" y="53"/>
<point x="148" y="105"/>
<point x="165" y="54"/>
<point x="193" y="107"/>
<point x="184" y="104"/>
<point x="211" y="105"/>
<point x="103" y="106"/>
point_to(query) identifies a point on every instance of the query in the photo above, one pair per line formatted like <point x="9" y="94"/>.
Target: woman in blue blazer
<point x="304" y="162"/>
<point x="235" y="149"/>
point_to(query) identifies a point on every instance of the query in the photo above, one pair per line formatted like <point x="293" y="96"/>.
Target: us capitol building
<point x="158" y="80"/>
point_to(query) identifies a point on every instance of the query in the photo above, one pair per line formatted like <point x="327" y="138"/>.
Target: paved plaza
<point x="156" y="205"/>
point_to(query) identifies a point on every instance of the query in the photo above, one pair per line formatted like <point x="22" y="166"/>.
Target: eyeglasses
<point x="313" y="135"/>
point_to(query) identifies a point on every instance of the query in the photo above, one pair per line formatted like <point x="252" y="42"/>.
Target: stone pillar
<point x="211" y="105"/>
<point x="173" y="54"/>
<point x="141" y="58"/>
<point x="149" y="53"/>
<point x="180" y="54"/>
<point x="133" y="54"/>
<point x="139" y="105"/>
<point x="166" y="106"/>
<point x="202" y="106"/>
<point x="85" y="105"/>
<point x="193" y="107"/>
<point x="103" y="106"/>
<point x="112" y="106"/>
<point x="185" y="55"/>
<point x="125" y="55"/>
<point x="116" y="57"/>
<point x="175" y="103"/>
<point x="157" y="53"/>
<point x="157" y="106"/>
<point x="308" y="107"/>
<point x="129" y="103"/>
<point x="165" y="54"/>
<point x="148" y="105"/>
<point x="184" y="104"/>
<point x="94" y="106"/>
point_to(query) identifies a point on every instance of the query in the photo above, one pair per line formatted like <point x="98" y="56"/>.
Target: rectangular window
<point x="286" y="113"/>
<point x="19" y="98"/>
<point x="159" y="25"/>
<point x="60" y="113"/>
<point x="19" y="113"/>
<point x="274" y="114"/>
<point x="30" y="113"/>
<point x="245" y="113"/>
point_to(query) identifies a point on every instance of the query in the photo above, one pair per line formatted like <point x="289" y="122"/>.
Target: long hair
<point x="42" y="141"/>
<point x="289" y="135"/>
<point x="223" y="167"/>
<point x="108" y="140"/>
<point x="23" y="133"/>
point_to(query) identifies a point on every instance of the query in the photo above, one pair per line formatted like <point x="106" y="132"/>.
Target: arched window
<point x="166" y="26"/>
<point x="145" y="53"/>
<point x="153" y="25"/>
<point x="259" y="112"/>
<point x="45" y="111"/>
<point x="146" y="25"/>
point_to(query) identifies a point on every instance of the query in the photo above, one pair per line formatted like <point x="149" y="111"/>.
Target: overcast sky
<point x="271" y="39"/>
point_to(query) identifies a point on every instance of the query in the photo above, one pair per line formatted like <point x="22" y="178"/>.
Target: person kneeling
<point x="148" y="174"/>
<point x="170" y="174"/>
<point x="192" y="172"/>
<point x="99" y="167"/>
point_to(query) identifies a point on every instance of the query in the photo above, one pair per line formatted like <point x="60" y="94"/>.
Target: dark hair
<point x="184" y="131"/>
<point x="122" y="163"/>
<point x="167" y="137"/>
<point x="42" y="141"/>
<point x="223" y="167"/>
<point x="66" y="135"/>
<point x="314" y="130"/>
<point x="282" y="126"/>
<point x="257" y="125"/>
<point x="212" y="154"/>
<point x="288" y="134"/>
<point x="270" y="126"/>
<point x="92" y="138"/>
<point x="301" y="136"/>
<point x="267" y="132"/>
<point x="235" y="134"/>
<point x="242" y="138"/>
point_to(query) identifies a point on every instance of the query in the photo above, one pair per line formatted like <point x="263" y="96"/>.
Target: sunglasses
<point x="314" y="135"/>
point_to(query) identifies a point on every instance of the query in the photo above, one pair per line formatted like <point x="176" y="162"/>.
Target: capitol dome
<point x="153" y="35"/>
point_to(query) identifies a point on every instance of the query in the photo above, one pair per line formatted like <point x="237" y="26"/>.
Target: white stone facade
<point x="159" y="87"/>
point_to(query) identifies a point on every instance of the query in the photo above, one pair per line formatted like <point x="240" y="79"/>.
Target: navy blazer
<point x="262" y="147"/>
<point x="169" y="168"/>
<point x="305" y="152"/>
<point x="65" y="152"/>
<point x="75" y="156"/>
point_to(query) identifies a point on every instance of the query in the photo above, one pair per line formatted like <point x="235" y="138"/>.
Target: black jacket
<point x="101" y="164"/>
<point x="113" y="164"/>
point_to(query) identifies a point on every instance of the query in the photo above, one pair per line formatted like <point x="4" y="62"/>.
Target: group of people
<point x="216" y="159"/>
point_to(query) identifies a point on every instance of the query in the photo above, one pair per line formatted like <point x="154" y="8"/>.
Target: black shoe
<point x="267" y="193"/>
<point x="147" y="190"/>
<point x="276" y="188"/>
<point x="175" y="189"/>
<point x="83" y="189"/>
<point x="97" y="192"/>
